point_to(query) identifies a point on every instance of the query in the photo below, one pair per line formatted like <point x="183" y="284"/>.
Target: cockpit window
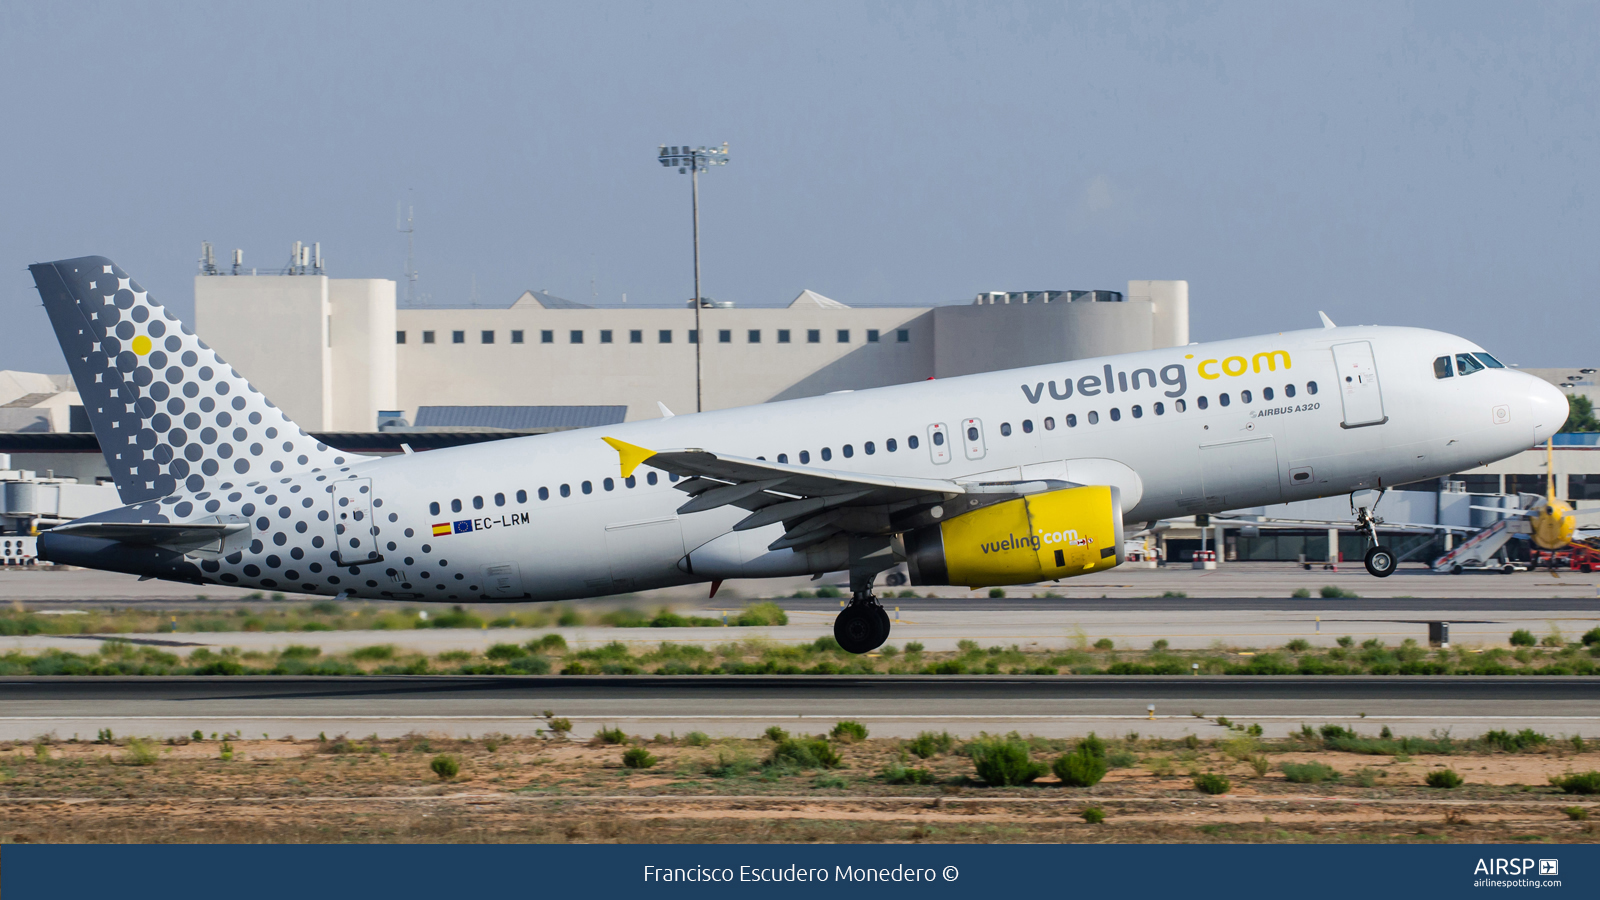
<point x="1467" y="364"/>
<point x="1489" y="361"/>
<point x="1441" y="368"/>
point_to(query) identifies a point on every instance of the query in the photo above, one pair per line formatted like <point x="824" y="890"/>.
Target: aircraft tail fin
<point x="168" y="412"/>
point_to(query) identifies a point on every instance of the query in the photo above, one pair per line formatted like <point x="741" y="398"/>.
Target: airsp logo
<point x="1549" y="867"/>
<point x="1501" y="866"/>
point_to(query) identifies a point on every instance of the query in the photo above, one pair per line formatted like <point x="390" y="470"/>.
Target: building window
<point x="427" y="337"/>
<point x="724" y="336"/>
<point x="755" y="335"/>
<point x="516" y="337"/>
<point x="576" y="337"/>
<point x="814" y="336"/>
<point x="605" y="336"/>
<point x="872" y="335"/>
<point x="399" y="337"/>
<point x="902" y="336"/>
<point x="547" y="337"/>
<point x="488" y="337"/>
<point x="844" y="335"/>
<point x="458" y="337"/>
<point x="635" y="336"/>
<point x="783" y="335"/>
<point x="664" y="336"/>
<point x="694" y="336"/>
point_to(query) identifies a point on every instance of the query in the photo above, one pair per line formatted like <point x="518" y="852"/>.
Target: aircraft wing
<point x="813" y="504"/>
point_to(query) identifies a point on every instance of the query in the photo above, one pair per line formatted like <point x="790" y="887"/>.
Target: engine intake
<point x="1057" y="534"/>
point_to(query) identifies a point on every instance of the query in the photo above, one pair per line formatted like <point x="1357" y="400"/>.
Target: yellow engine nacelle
<point x="1553" y="525"/>
<point x="1057" y="534"/>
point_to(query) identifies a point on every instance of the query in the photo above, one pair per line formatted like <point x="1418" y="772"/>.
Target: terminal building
<point x="338" y="354"/>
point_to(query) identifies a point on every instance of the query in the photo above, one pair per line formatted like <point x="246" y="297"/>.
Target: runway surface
<point x="745" y="706"/>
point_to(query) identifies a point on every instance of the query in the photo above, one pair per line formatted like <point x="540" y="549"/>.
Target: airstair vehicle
<point x="1483" y="546"/>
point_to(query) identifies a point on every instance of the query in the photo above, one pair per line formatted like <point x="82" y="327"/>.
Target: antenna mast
<point x="409" y="230"/>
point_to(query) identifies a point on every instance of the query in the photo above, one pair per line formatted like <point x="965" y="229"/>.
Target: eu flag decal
<point x="463" y="526"/>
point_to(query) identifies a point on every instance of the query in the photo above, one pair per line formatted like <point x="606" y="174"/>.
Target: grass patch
<point x="928" y="744"/>
<point x="638" y="758"/>
<point x="898" y="772"/>
<point x="1080" y="768"/>
<point x="1212" y="783"/>
<point x="1445" y="779"/>
<point x="804" y="753"/>
<point x="445" y="766"/>
<point x="1577" y="783"/>
<point x="762" y="614"/>
<point x="1309" y="773"/>
<point x="1094" y="815"/>
<point x="848" y="732"/>
<point x="1004" y="761"/>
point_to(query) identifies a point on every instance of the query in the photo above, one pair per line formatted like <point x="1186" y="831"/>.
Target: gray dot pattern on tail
<point x="176" y="415"/>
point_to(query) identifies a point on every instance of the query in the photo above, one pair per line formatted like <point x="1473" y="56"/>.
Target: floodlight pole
<point x="691" y="160"/>
<point x="699" y="333"/>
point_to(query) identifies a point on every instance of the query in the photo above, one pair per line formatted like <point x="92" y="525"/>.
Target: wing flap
<point x="208" y="540"/>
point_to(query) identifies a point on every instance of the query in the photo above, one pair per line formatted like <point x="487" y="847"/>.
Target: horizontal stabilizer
<point x="207" y="540"/>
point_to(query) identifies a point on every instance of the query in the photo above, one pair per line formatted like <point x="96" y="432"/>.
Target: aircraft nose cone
<point x="1548" y="406"/>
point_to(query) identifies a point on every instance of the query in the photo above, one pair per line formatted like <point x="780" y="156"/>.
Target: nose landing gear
<point x="1380" y="560"/>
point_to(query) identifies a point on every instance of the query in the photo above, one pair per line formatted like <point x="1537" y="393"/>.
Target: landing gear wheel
<point x="858" y="628"/>
<point x="1380" y="561"/>
<point x="883" y="625"/>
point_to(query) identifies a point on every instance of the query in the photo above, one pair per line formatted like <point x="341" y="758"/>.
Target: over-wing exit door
<point x="1358" y="384"/>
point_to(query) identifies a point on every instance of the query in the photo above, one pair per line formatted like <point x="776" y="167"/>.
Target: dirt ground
<point x="551" y="790"/>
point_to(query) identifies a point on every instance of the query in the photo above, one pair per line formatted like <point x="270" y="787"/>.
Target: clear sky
<point x="1428" y="164"/>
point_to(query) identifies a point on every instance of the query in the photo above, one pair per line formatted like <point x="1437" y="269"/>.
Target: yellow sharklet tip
<point x="630" y="454"/>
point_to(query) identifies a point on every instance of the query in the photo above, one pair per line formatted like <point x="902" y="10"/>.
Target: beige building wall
<point x="273" y="330"/>
<point x="362" y="343"/>
<point x="1169" y="301"/>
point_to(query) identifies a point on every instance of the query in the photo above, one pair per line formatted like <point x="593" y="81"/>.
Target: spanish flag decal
<point x="441" y="529"/>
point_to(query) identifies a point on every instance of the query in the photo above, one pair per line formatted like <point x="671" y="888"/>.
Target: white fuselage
<point x="1184" y="430"/>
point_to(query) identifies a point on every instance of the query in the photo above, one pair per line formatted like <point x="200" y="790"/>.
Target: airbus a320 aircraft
<point x="1010" y="477"/>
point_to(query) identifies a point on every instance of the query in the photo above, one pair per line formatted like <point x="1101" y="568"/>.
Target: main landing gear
<point x="863" y="625"/>
<point x="1380" y="560"/>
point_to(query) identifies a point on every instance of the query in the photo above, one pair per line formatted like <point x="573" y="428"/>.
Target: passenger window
<point x="911" y="442"/>
<point x="433" y="508"/>
<point x="1311" y="387"/>
<point x="1005" y="429"/>
<point x="849" y="451"/>
<point x="566" y="490"/>
<point x="805" y="457"/>
<point x="1244" y="396"/>
<point x="972" y="433"/>
<point x="869" y="448"/>
<point x="522" y="496"/>
<point x="1288" y="390"/>
<point x="889" y="445"/>
<point x="1489" y="361"/>
<point x="608" y="484"/>
<point x="783" y="458"/>
<point x="827" y="453"/>
<point x="1266" y="393"/>
<point x="1467" y="364"/>
<point x="455" y="506"/>
<point x="631" y="480"/>
<point x="1223" y="399"/>
<point x="1027" y="426"/>
<point x="477" y="503"/>
<point x="649" y="478"/>
<point x="1071" y="420"/>
<point x="1138" y="411"/>
<point x="1116" y="414"/>
<point x="1094" y="417"/>
<point x="544" y="493"/>
<point x="672" y="477"/>
<point x="1201" y="402"/>
<point x="588" y="487"/>
<point x="1179" y="405"/>
<point x="1160" y="408"/>
<point x="938" y="439"/>
<point x="1049" y="423"/>
<point x="499" y="499"/>
<point x="1441" y="368"/>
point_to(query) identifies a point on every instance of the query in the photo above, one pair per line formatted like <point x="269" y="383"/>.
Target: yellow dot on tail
<point x="141" y="345"/>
